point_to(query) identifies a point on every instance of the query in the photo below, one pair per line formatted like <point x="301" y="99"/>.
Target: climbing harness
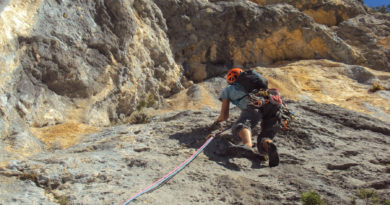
<point x="177" y="169"/>
<point x="258" y="98"/>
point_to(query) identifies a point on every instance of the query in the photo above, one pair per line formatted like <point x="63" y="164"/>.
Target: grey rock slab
<point x="14" y="191"/>
<point x="328" y="149"/>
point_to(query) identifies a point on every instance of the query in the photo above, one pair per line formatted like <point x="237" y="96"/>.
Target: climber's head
<point x="233" y="75"/>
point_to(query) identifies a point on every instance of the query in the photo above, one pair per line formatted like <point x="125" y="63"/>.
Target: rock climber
<point x="266" y="110"/>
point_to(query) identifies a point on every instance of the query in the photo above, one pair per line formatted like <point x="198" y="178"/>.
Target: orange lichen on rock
<point x="281" y="45"/>
<point x="325" y="81"/>
<point x="385" y="42"/>
<point x="63" y="135"/>
<point x="324" y="17"/>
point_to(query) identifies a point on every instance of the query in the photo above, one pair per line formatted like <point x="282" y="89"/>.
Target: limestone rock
<point x="70" y="58"/>
<point x="240" y="33"/>
<point x="329" y="13"/>
<point x="325" y="148"/>
<point x="369" y="35"/>
<point x="95" y="62"/>
<point x="67" y="63"/>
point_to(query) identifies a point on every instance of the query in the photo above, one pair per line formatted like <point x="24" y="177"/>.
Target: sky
<point x="374" y="3"/>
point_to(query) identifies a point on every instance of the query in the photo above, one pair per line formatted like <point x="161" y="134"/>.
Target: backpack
<point x="255" y="86"/>
<point x="259" y="95"/>
<point x="251" y="81"/>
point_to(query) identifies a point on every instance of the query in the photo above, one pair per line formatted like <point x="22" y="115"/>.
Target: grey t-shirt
<point x="236" y="94"/>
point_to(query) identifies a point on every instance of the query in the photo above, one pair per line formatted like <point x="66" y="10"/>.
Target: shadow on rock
<point x="221" y="150"/>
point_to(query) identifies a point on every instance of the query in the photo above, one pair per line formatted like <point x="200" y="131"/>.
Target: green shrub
<point x="376" y="87"/>
<point x="368" y="195"/>
<point x="139" y="117"/>
<point x="148" y="101"/>
<point x="62" y="200"/>
<point x="151" y="100"/>
<point x="311" y="198"/>
<point x="141" y="105"/>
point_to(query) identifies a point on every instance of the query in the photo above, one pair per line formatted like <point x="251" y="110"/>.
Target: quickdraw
<point x="257" y="99"/>
<point x="287" y="116"/>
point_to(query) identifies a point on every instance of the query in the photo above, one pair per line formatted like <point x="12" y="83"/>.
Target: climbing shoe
<point x="262" y="146"/>
<point x="273" y="156"/>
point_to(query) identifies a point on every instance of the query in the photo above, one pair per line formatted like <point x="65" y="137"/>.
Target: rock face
<point x="206" y="37"/>
<point x="83" y="66"/>
<point x="328" y="149"/>
<point x="95" y="62"/>
<point x="371" y="34"/>
<point x="88" y="62"/>
<point x="329" y="13"/>
<point x="108" y="51"/>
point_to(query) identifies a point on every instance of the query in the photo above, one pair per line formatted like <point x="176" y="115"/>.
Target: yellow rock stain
<point x="63" y="135"/>
<point x="323" y="81"/>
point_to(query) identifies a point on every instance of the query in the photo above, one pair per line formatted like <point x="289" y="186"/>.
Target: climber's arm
<point x="224" y="115"/>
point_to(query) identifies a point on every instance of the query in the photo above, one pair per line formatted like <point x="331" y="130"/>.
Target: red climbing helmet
<point x="233" y="74"/>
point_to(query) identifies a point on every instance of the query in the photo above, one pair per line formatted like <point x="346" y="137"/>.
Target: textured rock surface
<point x="111" y="52"/>
<point x="210" y="37"/>
<point x="72" y="68"/>
<point x="329" y="13"/>
<point x="371" y="35"/>
<point x="96" y="61"/>
<point x="90" y="62"/>
<point x="107" y="54"/>
<point x="328" y="149"/>
<point x="329" y="82"/>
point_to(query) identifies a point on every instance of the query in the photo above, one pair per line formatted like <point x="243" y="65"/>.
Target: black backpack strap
<point x="252" y="80"/>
